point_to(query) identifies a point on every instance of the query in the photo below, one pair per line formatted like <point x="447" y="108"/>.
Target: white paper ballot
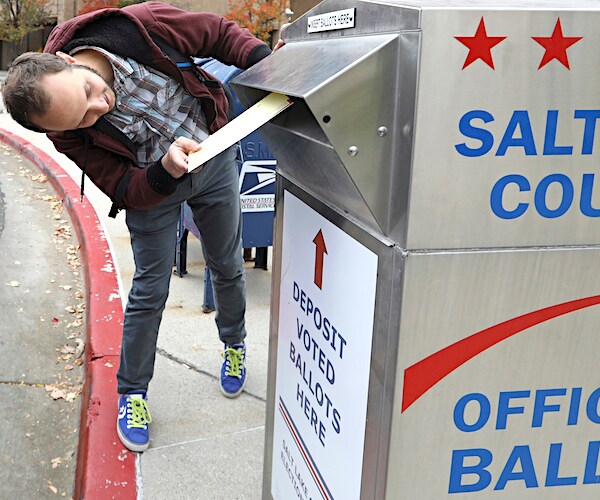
<point x="240" y="127"/>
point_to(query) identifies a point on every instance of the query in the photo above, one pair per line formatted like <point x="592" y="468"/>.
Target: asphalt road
<point x="42" y="314"/>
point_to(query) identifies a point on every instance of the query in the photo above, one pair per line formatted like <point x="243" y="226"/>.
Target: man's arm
<point x="147" y="186"/>
<point x="201" y="34"/>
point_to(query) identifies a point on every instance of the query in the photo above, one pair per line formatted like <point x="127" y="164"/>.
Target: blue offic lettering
<point x="498" y="191"/>
<point x="591" y="463"/>
<point x="550" y="147"/>
<point x="468" y="130"/>
<point x="552" y="478"/>
<point x="504" y="409"/>
<point x="589" y="129"/>
<point x="484" y="412"/>
<point x="458" y="469"/>
<point x="520" y="454"/>
<point x="518" y="119"/>
<point x="585" y="202"/>
<point x="574" y="406"/>
<point x="591" y="407"/>
<point x="542" y="189"/>
<point x="540" y="407"/>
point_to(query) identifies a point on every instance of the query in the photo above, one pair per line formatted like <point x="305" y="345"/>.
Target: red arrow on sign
<point x="320" y="250"/>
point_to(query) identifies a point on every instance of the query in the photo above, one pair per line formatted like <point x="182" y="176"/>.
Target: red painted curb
<point x="105" y="469"/>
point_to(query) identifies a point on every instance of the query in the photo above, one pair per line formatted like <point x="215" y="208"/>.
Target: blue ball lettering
<point x="458" y="469"/>
<point x="525" y="471"/>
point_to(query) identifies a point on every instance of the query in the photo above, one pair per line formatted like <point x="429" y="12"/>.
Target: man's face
<point x="78" y="98"/>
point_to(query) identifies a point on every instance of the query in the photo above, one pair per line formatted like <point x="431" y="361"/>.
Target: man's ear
<point x="66" y="57"/>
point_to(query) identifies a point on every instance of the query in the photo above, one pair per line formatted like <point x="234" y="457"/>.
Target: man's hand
<point x="281" y="42"/>
<point x="175" y="161"/>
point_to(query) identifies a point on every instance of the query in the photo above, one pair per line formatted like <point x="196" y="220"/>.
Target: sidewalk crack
<point x="195" y="369"/>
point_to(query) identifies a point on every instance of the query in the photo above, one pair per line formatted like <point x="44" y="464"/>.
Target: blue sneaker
<point x="233" y="370"/>
<point x="132" y="422"/>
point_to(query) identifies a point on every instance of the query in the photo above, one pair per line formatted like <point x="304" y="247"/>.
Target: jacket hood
<point x="126" y="34"/>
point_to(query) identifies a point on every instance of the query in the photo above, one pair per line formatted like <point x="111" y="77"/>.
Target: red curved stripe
<point x="423" y="375"/>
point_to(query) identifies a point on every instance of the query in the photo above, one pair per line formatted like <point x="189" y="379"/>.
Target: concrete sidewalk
<point x="203" y="445"/>
<point x="42" y="306"/>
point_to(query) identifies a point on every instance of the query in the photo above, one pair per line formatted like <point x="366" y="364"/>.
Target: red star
<point x="480" y="45"/>
<point x="556" y="46"/>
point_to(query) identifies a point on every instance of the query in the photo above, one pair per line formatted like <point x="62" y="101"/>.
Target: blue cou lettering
<point x="516" y="187"/>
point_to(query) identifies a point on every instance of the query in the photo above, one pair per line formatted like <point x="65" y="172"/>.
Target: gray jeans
<point x="213" y="196"/>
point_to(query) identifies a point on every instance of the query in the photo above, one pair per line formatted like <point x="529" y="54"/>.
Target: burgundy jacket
<point x="105" y="154"/>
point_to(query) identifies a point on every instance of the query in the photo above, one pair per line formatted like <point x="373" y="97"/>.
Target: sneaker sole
<point x="129" y="445"/>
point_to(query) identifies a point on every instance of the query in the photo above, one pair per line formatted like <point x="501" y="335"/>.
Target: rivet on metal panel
<point x="326" y="119"/>
<point x="352" y="151"/>
<point x="382" y="131"/>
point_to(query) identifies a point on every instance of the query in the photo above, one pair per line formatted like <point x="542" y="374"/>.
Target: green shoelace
<point x="140" y="414"/>
<point x="233" y="366"/>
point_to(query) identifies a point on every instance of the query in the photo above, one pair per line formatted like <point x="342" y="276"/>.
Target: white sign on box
<point x="325" y="332"/>
<point x="242" y="126"/>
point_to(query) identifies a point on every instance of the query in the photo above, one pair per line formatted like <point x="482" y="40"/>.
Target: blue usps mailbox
<point x="256" y="166"/>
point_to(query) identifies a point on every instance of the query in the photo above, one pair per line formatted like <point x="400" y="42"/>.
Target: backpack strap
<point x="119" y="193"/>
<point x="183" y="62"/>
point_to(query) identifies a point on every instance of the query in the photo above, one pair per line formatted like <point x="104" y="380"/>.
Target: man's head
<point x="46" y="92"/>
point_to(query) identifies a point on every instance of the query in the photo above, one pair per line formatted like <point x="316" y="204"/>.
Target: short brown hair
<point x="22" y="93"/>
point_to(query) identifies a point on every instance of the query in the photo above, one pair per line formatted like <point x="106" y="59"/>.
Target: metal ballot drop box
<point x="435" y="323"/>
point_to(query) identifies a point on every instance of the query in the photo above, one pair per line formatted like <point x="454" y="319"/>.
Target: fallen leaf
<point x="71" y="396"/>
<point x="58" y="394"/>
<point x="39" y="178"/>
<point x="80" y="347"/>
<point x="67" y="349"/>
